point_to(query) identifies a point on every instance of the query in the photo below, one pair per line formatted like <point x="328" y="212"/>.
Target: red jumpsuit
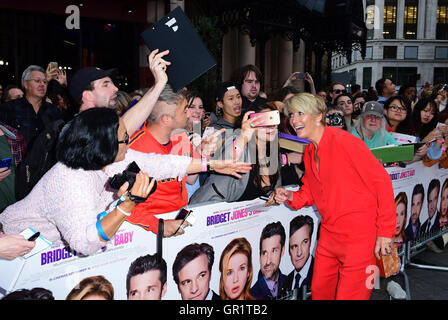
<point x="354" y="195"/>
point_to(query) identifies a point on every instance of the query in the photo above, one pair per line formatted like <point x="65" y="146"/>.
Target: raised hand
<point x="158" y="66"/>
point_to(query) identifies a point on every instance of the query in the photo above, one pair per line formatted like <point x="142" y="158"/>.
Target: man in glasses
<point x="31" y="113"/>
<point x="336" y="89"/>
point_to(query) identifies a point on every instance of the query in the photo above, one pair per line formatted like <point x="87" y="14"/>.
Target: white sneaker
<point x="395" y="290"/>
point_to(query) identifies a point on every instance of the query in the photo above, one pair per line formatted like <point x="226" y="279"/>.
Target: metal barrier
<point x="413" y="247"/>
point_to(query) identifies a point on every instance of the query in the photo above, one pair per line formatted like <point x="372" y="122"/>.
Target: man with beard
<point x="248" y="80"/>
<point x="272" y="247"/>
<point x="300" y="233"/>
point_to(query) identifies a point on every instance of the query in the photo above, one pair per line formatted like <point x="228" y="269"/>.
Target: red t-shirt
<point x="352" y="191"/>
<point x="171" y="194"/>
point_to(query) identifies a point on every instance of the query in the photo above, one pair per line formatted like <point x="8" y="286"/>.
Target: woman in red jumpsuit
<point x="353" y="194"/>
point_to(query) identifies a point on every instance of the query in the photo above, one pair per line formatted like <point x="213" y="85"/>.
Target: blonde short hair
<point x="307" y="103"/>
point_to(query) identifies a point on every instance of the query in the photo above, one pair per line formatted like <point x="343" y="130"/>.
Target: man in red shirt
<point x="156" y="136"/>
<point x="354" y="196"/>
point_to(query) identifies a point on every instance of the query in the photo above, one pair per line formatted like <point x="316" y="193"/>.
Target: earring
<point x="317" y="123"/>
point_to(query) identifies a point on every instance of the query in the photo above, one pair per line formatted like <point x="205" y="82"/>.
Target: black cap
<point x="222" y="88"/>
<point x="81" y="80"/>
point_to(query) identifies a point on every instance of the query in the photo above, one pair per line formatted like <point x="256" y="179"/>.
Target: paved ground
<point x="424" y="284"/>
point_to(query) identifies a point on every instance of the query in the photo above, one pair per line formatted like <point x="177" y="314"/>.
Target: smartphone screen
<point x="300" y="75"/>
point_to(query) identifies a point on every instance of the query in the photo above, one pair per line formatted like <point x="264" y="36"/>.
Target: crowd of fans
<point x="168" y="136"/>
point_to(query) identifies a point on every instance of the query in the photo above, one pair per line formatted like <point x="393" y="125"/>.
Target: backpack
<point x="38" y="160"/>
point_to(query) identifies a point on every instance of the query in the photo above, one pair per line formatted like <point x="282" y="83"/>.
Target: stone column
<point x="400" y="19"/>
<point x="298" y="63"/>
<point x="285" y="61"/>
<point x="431" y="19"/>
<point x="421" y="16"/>
<point x="177" y="3"/>
<point x="228" y="54"/>
<point x="246" y="53"/>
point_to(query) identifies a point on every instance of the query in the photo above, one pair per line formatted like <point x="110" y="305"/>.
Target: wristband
<point x="99" y="227"/>
<point x="237" y="149"/>
<point x="127" y="214"/>
<point x="204" y="164"/>
<point x="440" y="141"/>
<point x="285" y="160"/>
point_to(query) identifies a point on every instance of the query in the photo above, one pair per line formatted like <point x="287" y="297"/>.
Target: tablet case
<point x="188" y="55"/>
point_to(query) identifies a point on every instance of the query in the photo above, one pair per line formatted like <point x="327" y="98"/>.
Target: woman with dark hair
<point x="257" y="145"/>
<point x="398" y="114"/>
<point x="345" y="100"/>
<point x="401" y="206"/>
<point x="72" y="203"/>
<point x="424" y="127"/>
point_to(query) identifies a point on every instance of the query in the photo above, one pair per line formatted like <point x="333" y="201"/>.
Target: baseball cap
<point x="373" y="107"/>
<point x="222" y="88"/>
<point x="81" y="80"/>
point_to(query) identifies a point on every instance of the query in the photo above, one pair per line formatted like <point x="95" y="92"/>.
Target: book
<point x="392" y="153"/>
<point x="293" y="143"/>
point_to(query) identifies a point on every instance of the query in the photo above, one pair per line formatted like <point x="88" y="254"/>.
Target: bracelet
<point x="204" y="164"/>
<point x="440" y="141"/>
<point x="208" y="165"/>
<point x="99" y="227"/>
<point x="127" y="214"/>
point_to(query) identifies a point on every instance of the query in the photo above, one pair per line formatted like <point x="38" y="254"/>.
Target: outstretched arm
<point x="135" y="116"/>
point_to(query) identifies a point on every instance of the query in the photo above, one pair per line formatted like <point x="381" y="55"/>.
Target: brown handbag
<point x="389" y="265"/>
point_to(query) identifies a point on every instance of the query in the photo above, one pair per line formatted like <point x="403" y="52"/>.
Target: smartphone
<point x="301" y="76"/>
<point x="53" y="65"/>
<point x="271" y="118"/>
<point x="182" y="215"/>
<point x="34" y="236"/>
<point x="208" y="131"/>
<point x="5" y="163"/>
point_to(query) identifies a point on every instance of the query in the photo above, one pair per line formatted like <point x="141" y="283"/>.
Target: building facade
<point x="407" y="42"/>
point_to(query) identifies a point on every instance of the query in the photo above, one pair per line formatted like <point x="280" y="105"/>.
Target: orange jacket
<point x="171" y="194"/>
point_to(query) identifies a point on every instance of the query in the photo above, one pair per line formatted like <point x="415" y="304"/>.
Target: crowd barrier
<point x="59" y="270"/>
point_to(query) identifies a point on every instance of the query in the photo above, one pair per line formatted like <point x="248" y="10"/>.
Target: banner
<point x="217" y="225"/>
<point x="421" y="200"/>
<point x="223" y="232"/>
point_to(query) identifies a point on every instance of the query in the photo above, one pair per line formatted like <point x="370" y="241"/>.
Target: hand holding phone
<point x="301" y="75"/>
<point x="182" y="215"/>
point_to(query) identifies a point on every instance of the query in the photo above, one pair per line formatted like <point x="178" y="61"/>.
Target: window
<point x="411" y="52"/>
<point x="390" y="52"/>
<point x="352" y="76"/>
<point x="410" y="19"/>
<point x="441" y="53"/>
<point x="400" y="76"/>
<point x="367" y="77"/>
<point x="440" y="75"/>
<point x="368" y="53"/>
<point x="390" y="19"/>
<point x="442" y="20"/>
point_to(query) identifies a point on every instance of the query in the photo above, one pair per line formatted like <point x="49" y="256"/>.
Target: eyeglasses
<point x="39" y="81"/>
<point x="398" y="109"/>
<point x="125" y="139"/>
<point x="338" y="91"/>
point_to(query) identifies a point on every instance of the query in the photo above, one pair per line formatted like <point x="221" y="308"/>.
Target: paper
<point x="403" y="138"/>
<point x="12" y="268"/>
<point x="41" y="242"/>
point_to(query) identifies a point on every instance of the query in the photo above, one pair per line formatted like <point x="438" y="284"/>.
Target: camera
<point x="129" y="175"/>
<point x="445" y="86"/>
<point x="336" y="119"/>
